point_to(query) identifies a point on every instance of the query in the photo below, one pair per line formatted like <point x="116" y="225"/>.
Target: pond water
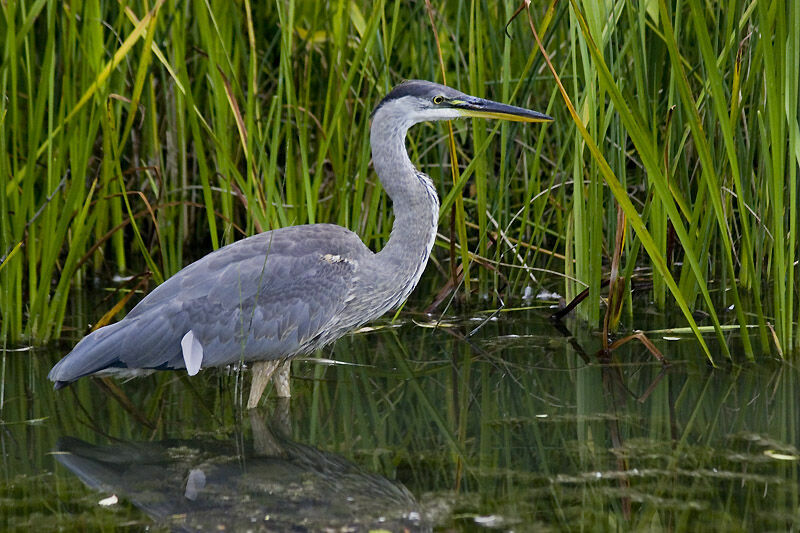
<point x="503" y="423"/>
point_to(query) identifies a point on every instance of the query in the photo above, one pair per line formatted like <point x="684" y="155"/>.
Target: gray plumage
<point x="292" y="290"/>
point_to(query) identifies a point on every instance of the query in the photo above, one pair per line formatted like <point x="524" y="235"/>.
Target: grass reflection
<point x="517" y="426"/>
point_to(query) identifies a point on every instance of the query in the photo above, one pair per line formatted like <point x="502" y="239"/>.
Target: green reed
<point x="140" y="136"/>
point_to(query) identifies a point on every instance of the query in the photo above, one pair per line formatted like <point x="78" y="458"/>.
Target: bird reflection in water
<point x="269" y="483"/>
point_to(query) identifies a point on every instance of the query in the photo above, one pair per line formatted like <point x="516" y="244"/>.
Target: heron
<point x="286" y="292"/>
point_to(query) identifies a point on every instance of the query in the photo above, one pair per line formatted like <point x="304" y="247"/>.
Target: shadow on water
<point x="507" y="426"/>
<point x="236" y="485"/>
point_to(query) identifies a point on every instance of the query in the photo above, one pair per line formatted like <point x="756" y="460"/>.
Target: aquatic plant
<point x="136" y="137"/>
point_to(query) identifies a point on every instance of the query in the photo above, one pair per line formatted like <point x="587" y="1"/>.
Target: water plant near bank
<point x="139" y="136"/>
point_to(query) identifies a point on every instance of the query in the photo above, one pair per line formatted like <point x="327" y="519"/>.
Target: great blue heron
<point x="292" y="290"/>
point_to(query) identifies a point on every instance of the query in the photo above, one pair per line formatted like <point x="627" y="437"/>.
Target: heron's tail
<point x="97" y="351"/>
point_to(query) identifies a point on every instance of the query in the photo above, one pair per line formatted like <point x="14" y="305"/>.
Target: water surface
<point x="514" y="425"/>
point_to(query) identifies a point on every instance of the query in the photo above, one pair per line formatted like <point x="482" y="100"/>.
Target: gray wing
<point x="266" y="297"/>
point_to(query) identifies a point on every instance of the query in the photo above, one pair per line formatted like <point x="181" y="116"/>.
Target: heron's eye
<point x="438" y="99"/>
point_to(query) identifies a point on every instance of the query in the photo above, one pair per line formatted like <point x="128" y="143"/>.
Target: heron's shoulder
<point x="281" y="253"/>
<point x="306" y="240"/>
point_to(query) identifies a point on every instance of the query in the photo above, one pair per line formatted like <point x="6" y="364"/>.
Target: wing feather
<point x="266" y="297"/>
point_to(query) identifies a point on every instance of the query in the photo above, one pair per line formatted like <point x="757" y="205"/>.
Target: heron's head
<point x="417" y="101"/>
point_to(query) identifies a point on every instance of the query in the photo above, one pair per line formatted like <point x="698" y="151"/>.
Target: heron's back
<point x="270" y="296"/>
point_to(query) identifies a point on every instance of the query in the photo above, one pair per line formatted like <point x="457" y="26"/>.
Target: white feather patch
<point x="192" y="353"/>
<point x="195" y="483"/>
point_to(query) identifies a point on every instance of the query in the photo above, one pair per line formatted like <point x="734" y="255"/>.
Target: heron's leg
<point x="262" y="372"/>
<point x="281" y="379"/>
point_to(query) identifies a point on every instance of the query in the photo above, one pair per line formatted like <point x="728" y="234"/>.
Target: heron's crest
<point x="424" y="90"/>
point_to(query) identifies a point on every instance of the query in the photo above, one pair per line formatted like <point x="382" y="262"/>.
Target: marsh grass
<point x="142" y="135"/>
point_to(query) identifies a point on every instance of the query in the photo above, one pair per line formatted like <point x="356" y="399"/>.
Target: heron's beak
<point x="480" y="108"/>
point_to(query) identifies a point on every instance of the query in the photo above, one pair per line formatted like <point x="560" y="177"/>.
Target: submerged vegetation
<point x="139" y="136"/>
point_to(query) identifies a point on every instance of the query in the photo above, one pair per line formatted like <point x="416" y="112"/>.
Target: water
<point x="516" y="427"/>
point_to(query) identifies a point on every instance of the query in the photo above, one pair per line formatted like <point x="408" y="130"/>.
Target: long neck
<point x="416" y="205"/>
